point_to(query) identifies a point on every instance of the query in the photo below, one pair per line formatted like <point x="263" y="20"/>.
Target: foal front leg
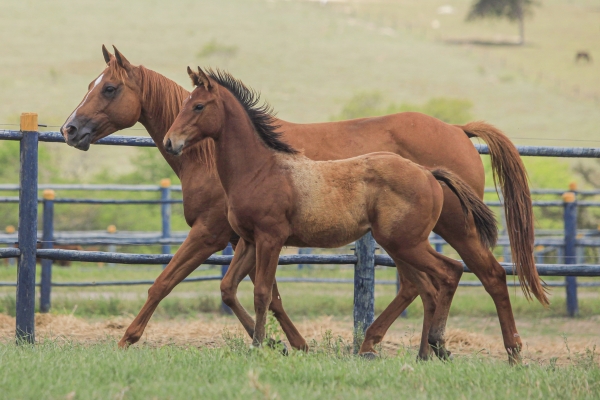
<point x="267" y="258"/>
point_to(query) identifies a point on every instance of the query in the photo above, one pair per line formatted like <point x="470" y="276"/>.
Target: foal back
<point x="337" y="202"/>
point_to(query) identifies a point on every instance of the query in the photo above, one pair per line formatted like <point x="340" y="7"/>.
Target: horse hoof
<point x="278" y="345"/>
<point x="369" y="355"/>
<point x="284" y="349"/>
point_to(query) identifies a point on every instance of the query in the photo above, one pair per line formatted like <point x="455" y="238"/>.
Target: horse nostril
<point x="70" y="129"/>
<point x="169" y="145"/>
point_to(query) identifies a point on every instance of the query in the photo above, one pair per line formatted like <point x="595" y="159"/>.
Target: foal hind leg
<point x="446" y="273"/>
<point x="413" y="283"/>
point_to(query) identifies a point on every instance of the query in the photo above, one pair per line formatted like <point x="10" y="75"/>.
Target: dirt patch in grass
<point x="465" y="337"/>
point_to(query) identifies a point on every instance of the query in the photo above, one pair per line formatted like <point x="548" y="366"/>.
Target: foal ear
<point x="121" y="60"/>
<point x="193" y="77"/>
<point x="204" y="79"/>
<point x="106" y="54"/>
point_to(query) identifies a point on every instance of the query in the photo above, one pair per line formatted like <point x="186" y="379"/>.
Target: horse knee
<point x="228" y="294"/>
<point x="158" y="291"/>
<point x="262" y="299"/>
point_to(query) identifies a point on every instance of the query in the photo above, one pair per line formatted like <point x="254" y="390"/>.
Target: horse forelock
<point x="116" y="71"/>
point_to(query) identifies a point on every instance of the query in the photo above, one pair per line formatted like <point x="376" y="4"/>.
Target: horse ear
<point x="194" y="77"/>
<point x="204" y="79"/>
<point x="121" y="60"/>
<point x="106" y="54"/>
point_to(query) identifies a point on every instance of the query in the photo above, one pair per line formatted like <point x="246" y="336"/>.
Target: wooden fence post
<point x="28" y="209"/>
<point x="47" y="243"/>
<point x="570" y="252"/>
<point x="364" y="287"/>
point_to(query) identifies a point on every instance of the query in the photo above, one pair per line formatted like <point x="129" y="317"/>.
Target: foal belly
<point x="330" y="231"/>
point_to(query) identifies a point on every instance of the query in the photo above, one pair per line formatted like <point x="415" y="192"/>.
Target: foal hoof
<point x="278" y="345"/>
<point x="369" y="355"/>
<point x="441" y="352"/>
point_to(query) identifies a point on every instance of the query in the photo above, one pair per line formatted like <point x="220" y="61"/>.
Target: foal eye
<point x="199" y="107"/>
<point x="109" y="89"/>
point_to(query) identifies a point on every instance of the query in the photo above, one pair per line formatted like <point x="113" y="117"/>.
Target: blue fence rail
<point x="364" y="258"/>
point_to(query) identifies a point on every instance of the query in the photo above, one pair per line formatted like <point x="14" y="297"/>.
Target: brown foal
<point x="277" y="196"/>
<point x="124" y="94"/>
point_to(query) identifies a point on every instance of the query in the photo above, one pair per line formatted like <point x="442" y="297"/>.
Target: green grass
<point x="56" y="370"/>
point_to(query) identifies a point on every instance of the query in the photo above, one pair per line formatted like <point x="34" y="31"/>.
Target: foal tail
<point x="484" y="218"/>
<point x="510" y="174"/>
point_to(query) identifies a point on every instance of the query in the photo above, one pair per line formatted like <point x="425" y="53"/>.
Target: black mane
<point x="262" y="116"/>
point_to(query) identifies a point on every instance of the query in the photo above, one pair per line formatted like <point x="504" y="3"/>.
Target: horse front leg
<point x="267" y="258"/>
<point x="197" y="247"/>
<point x="241" y="265"/>
<point x="291" y="332"/>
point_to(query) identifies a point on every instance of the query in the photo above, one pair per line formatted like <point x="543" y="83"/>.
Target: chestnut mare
<point x="277" y="197"/>
<point x="124" y="94"/>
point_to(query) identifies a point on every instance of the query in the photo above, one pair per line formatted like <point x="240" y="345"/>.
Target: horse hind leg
<point x="480" y="260"/>
<point x="414" y="282"/>
<point x="406" y="295"/>
<point x="446" y="274"/>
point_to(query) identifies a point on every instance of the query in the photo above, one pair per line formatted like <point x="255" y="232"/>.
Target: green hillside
<point x="307" y="59"/>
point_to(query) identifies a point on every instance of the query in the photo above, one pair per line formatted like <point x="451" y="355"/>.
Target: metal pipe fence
<point x="364" y="258"/>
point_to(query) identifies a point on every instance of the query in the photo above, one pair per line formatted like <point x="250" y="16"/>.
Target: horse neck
<point x="161" y="100"/>
<point x="240" y="154"/>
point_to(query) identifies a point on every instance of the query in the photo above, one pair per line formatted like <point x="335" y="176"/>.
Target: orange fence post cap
<point x="10" y="229"/>
<point x="29" y="122"/>
<point x="165" y="183"/>
<point x="111" y="229"/>
<point x="568" y="197"/>
<point x="48" y="194"/>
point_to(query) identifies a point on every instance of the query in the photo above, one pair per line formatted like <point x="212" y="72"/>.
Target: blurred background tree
<point x="513" y="10"/>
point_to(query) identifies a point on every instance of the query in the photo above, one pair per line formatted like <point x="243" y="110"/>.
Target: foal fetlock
<point x="439" y="349"/>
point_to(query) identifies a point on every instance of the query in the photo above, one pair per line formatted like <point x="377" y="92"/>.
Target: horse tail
<point x="483" y="216"/>
<point x="510" y="174"/>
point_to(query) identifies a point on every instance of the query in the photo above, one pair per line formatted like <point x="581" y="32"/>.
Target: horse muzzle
<point x="76" y="137"/>
<point x="174" y="148"/>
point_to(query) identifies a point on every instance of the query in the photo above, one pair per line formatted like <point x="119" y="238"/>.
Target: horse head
<point x="112" y="102"/>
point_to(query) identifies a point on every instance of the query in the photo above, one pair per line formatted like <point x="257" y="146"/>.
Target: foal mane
<point x="261" y="115"/>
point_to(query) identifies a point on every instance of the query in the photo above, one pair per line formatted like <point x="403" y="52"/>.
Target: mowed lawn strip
<point x="100" y="371"/>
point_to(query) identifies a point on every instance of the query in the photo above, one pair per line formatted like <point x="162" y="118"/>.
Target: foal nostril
<point x="169" y="145"/>
<point x="70" y="129"/>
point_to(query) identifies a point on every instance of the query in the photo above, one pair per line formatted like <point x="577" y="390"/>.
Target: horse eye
<point x="199" y="107"/>
<point x="109" y="89"/>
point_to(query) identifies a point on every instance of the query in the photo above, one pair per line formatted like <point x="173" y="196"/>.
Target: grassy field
<point x="65" y="370"/>
<point x="307" y="60"/>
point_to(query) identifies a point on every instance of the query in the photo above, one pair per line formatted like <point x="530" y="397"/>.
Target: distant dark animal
<point x="583" y="55"/>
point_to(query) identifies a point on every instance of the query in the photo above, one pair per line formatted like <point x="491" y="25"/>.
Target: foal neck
<point x="241" y="156"/>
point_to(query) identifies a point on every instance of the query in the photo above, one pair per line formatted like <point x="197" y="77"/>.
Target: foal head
<point x="202" y="115"/>
<point x="113" y="102"/>
<point x="219" y="98"/>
